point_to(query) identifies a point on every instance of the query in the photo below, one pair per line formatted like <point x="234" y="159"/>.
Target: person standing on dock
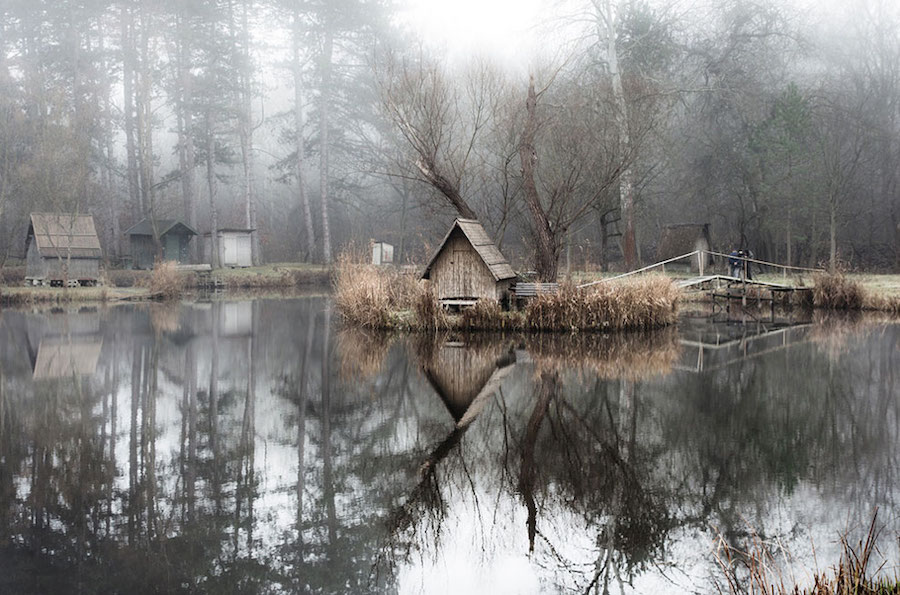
<point x="734" y="263"/>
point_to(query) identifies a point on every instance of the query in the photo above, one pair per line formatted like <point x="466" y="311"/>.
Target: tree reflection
<point x="216" y="448"/>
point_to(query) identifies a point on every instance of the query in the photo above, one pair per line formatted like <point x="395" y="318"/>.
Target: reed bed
<point x="836" y="291"/>
<point x="429" y="315"/>
<point x="387" y="298"/>
<point x="643" y="303"/>
<point x="375" y="297"/>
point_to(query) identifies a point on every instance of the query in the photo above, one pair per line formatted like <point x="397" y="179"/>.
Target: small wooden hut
<point x="684" y="238"/>
<point x="467" y="266"/>
<point x="174" y="239"/>
<point x="234" y="245"/>
<point x="62" y="247"/>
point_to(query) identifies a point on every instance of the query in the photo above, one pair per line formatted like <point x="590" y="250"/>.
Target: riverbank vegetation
<point x="389" y="298"/>
<point x="758" y="571"/>
<point x="838" y="291"/>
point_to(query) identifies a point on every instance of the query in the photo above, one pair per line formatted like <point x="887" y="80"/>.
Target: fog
<point x="325" y="124"/>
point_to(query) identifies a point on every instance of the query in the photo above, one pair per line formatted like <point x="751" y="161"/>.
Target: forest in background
<point x="328" y="122"/>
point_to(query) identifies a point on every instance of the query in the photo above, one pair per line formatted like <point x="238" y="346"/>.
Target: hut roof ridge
<point x="144" y="227"/>
<point x="491" y="256"/>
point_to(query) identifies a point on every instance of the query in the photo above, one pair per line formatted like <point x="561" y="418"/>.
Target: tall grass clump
<point x="644" y="303"/>
<point x="429" y="315"/>
<point x="165" y="280"/>
<point x="835" y="291"/>
<point x="758" y="571"/>
<point x="487" y="315"/>
<point x="373" y="297"/>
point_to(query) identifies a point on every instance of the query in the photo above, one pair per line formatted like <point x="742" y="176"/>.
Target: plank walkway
<point x="700" y="281"/>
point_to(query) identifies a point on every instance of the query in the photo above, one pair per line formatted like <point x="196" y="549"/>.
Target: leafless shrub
<point x="165" y="281"/>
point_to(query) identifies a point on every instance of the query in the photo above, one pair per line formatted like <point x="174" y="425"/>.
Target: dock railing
<point x="703" y="266"/>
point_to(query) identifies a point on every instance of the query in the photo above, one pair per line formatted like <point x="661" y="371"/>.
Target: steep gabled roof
<point x="60" y="235"/>
<point x="484" y="246"/>
<point x="145" y="227"/>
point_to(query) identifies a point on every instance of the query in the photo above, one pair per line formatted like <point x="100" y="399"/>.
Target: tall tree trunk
<point x="246" y="133"/>
<point x="145" y="124"/>
<point x="107" y="150"/>
<point x="548" y="245"/>
<point x="324" y="115"/>
<point x="299" y="146"/>
<point x="128" y="100"/>
<point x="186" y="132"/>
<point x="211" y="190"/>
<point x="607" y="25"/>
<point x="832" y="232"/>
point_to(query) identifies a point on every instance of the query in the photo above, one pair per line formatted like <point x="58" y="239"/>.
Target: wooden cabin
<point x="684" y="238"/>
<point x="62" y="247"/>
<point x="234" y="246"/>
<point x="174" y="240"/>
<point x="467" y="266"/>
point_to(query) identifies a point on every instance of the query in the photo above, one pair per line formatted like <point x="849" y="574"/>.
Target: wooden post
<point x="702" y="261"/>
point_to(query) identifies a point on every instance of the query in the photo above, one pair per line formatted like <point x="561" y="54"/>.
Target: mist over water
<point x="257" y="446"/>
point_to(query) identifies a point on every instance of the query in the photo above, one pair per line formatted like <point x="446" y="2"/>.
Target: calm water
<point x="254" y="447"/>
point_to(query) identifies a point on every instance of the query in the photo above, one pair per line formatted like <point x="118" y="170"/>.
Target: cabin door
<point x="229" y="251"/>
<point x="463" y="268"/>
<point x="172" y="248"/>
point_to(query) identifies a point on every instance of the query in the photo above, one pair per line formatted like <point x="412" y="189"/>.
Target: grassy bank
<point x="841" y="291"/>
<point x="26" y="296"/>
<point x="385" y="298"/>
<point x="119" y="284"/>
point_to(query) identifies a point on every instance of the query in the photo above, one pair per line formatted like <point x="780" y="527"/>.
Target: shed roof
<point x="65" y="234"/>
<point x="145" y="227"/>
<point x="230" y="230"/>
<point x="484" y="246"/>
<point x="680" y="239"/>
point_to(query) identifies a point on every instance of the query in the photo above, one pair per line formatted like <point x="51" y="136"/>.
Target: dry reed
<point x="373" y="297"/>
<point x="644" y="303"/>
<point x="429" y="315"/>
<point x="386" y="298"/>
<point x="835" y="291"/>
<point x="757" y="570"/>
<point x="166" y="282"/>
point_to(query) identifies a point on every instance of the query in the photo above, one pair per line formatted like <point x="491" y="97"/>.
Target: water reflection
<point x="249" y="447"/>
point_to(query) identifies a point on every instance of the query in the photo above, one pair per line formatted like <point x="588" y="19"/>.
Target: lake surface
<point x="255" y="447"/>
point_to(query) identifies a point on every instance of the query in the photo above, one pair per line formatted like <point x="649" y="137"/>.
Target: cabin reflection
<point x="68" y="343"/>
<point x="65" y="359"/>
<point x="465" y="375"/>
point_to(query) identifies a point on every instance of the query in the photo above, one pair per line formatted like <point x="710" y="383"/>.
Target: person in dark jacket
<point x="734" y="263"/>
